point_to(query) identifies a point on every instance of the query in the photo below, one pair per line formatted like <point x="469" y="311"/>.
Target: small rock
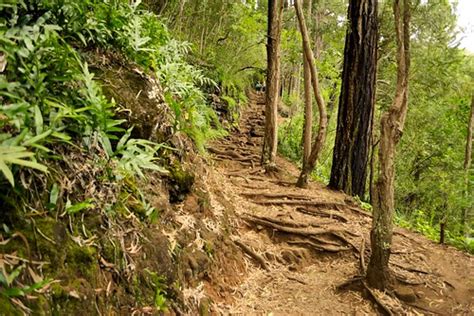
<point x="406" y="294"/>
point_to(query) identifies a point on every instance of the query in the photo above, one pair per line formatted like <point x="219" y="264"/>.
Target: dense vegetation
<point x="67" y="148"/>
<point x="431" y="180"/>
<point x="57" y="108"/>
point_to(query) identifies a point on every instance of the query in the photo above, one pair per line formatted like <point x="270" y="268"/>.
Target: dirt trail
<point x="302" y="243"/>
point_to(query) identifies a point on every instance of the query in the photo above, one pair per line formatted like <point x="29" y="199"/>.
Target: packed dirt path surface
<point x="300" y="244"/>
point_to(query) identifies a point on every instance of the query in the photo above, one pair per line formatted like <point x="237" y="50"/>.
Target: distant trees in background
<point x="228" y="40"/>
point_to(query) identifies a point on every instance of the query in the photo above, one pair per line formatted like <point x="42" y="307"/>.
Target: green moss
<point x="7" y="308"/>
<point x="57" y="291"/>
<point x="51" y="247"/>
<point x="109" y="252"/>
<point x="82" y="261"/>
<point x="181" y="182"/>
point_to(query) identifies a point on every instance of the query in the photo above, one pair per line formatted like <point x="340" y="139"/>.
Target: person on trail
<point x="260" y="87"/>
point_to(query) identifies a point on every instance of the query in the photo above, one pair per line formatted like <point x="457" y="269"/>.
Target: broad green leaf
<point x="13" y="292"/>
<point x="7" y="173"/>
<point x="75" y="208"/>
<point x="38" y="120"/>
<point x="124" y="139"/>
<point x="37" y="138"/>
<point x="104" y="140"/>
<point x="53" y="196"/>
<point x="29" y="164"/>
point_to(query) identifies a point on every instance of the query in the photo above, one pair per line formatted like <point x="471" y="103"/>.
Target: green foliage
<point x="158" y="282"/>
<point x="425" y="223"/>
<point x="49" y="95"/>
<point x="430" y="174"/>
<point x="133" y="155"/>
<point x="9" y="275"/>
<point x="228" y="39"/>
<point x="429" y="162"/>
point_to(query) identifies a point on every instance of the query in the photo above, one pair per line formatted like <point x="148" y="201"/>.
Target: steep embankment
<point x="300" y="244"/>
<point x="210" y="235"/>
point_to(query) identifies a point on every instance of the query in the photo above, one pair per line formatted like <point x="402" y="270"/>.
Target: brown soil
<point x="300" y="244"/>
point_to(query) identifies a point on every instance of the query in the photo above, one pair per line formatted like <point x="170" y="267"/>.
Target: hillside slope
<point x="224" y="238"/>
<point x="300" y="244"/>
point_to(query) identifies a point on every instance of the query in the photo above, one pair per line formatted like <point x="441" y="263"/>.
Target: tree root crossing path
<point x="304" y="247"/>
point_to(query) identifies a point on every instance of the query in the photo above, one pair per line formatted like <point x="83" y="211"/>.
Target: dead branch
<point x="249" y="251"/>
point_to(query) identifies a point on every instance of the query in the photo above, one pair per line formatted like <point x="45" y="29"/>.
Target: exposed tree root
<point x="296" y="279"/>
<point x="306" y="231"/>
<point x="249" y="251"/>
<point x="362" y="257"/>
<point x="276" y="181"/>
<point x="322" y="213"/>
<point x="373" y="296"/>
<point x="358" y="283"/>
<point x="283" y="222"/>
<point x="422" y="308"/>
<point x="406" y="281"/>
<point x="241" y="162"/>
<point x="276" y="195"/>
<point x="359" y="211"/>
<point x="299" y="202"/>
<point x="352" y="283"/>
<point x="327" y="248"/>
<point x="410" y="268"/>
<point x="243" y="159"/>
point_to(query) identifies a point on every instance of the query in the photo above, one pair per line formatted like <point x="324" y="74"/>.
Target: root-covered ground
<point x="300" y="245"/>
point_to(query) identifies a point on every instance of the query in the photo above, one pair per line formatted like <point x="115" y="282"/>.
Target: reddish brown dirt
<point x="303" y="243"/>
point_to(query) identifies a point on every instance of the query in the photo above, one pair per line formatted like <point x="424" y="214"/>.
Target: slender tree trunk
<point x="467" y="167"/>
<point x="357" y="100"/>
<point x="308" y="103"/>
<point x="321" y="137"/>
<point x="272" y="91"/>
<point x="392" y="123"/>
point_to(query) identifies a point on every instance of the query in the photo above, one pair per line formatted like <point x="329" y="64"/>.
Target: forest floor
<point x="301" y="244"/>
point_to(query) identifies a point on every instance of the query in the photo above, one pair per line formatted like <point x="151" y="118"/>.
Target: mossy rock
<point x="81" y="261"/>
<point x="180" y="183"/>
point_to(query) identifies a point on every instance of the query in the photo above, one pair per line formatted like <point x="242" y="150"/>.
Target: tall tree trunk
<point x="357" y="100"/>
<point x="392" y="123"/>
<point x="467" y="167"/>
<point x="270" y="142"/>
<point x="308" y="103"/>
<point x="319" y="142"/>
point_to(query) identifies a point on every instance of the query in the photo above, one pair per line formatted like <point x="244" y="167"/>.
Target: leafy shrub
<point x="48" y="94"/>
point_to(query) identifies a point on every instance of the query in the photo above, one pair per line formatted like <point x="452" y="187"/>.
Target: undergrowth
<point x="63" y="151"/>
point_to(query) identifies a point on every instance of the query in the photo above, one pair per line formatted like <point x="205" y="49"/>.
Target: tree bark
<point x="357" y="100"/>
<point x="321" y="137"/>
<point x="308" y="104"/>
<point x="392" y="123"/>
<point x="270" y="142"/>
